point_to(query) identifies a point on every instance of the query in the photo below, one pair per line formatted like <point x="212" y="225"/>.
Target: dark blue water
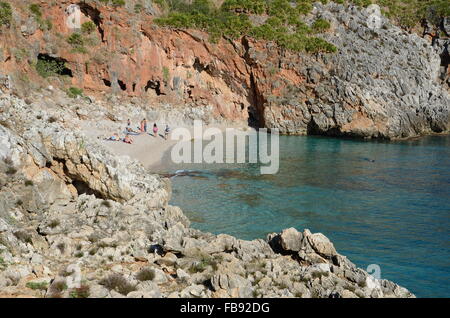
<point x="385" y="203"/>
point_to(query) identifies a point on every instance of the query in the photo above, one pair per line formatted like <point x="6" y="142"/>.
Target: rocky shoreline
<point x="78" y="221"/>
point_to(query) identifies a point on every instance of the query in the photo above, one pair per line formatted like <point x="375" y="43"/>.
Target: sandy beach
<point x="146" y="148"/>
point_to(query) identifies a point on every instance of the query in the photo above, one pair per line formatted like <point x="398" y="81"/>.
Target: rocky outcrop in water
<point x="76" y="221"/>
<point x="382" y="83"/>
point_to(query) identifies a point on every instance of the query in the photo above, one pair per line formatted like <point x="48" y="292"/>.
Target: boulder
<point x="321" y="244"/>
<point x="291" y="240"/>
<point x="168" y="260"/>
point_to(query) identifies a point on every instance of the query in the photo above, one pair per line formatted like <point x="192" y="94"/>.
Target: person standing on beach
<point x="155" y="130"/>
<point x="145" y="125"/>
<point x="166" y="132"/>
<point x="129" y="129"/>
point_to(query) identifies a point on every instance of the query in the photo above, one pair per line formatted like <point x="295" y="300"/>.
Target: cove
<point x="379" y="202"/>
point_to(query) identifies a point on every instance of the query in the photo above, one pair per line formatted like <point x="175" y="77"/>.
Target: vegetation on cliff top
<point x="284" y="24"/>
<point x="5" y="13"/>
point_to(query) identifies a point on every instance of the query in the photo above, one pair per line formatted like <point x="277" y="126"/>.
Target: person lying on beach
<point x="114" y="137"/>
<point x="128" y="128"/>
<point x="128" y="139"/>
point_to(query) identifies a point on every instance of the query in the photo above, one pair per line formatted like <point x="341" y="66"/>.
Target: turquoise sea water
<point x="385" y="203"/>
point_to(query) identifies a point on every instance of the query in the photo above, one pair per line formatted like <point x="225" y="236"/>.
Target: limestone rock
<point x="291" y="240"/>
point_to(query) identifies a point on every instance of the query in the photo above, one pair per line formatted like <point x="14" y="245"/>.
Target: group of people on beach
<point x="142" y="129"/>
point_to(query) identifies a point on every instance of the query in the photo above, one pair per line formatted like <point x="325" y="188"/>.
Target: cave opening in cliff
<point x="83" y="188"/>
<point x="154" y="85"/>
<point x="199" y="67"/>
<point x="107" y="82"/>
<point x="95" y="15"/>
<point x="122" y="85"/>
<point x="57" y="64"/>
<point x="255" y="109"/>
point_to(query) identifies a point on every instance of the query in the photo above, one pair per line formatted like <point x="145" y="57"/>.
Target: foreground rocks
<point x="76" y="221"/>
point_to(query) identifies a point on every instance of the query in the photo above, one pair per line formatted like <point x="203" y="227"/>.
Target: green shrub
<point x="75" y="39"/>
<point x="88" y="27"/>
<point x="20" y="54"/>
<point x="74" y="92"/>
<point x="3" y="264"/>
<point x="5" y="14"/>
<point x="320" y="25"/>
<point x="35" y="10"/>
<point x="118" y="3"/>
<point x="114" y="3"/>
<point x="166" y="74"/>
<point x="46" y="25"/>
<point x="318" y="45"/>
<point x="284" y="25"/>
<point x="37" y="286"/>
<point x="138" y="8"/>
<point x="246" y="6"/>
<point x="48" y="68"/>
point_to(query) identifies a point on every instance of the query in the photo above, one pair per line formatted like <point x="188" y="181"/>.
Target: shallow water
<point x="385" y="203"/>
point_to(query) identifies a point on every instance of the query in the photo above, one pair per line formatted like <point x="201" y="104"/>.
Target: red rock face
<point x="243" y="80"/>
<point x="134" y="57"/>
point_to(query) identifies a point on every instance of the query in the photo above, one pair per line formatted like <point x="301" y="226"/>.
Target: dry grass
<point x="118" y="283"/>
<point x="145" y="274"/>
<point x="82" y="292"/>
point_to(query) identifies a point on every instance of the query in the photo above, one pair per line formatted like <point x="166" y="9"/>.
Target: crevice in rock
<point x="255" y="98"/>
<point x="61" y="69"/>
<point x="94" y="14"/>
<point x="199" y="67"/>
<point x="256" y="107"/>
<point x="445" y="60"/>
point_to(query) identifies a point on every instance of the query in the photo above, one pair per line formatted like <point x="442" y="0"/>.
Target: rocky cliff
<point x="383" y="82"/>
<point x="77" y="221"/>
